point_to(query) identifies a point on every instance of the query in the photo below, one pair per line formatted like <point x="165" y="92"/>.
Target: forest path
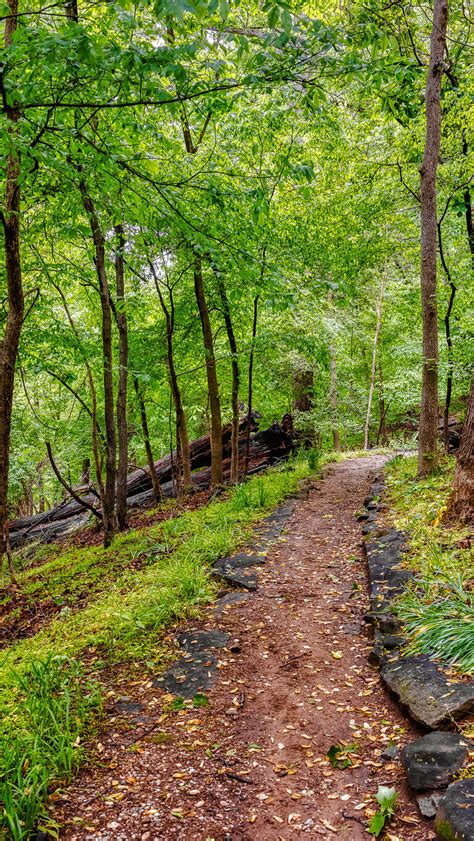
<point x="293" y="681"/>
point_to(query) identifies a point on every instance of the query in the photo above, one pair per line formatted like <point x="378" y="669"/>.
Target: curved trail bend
<point x="294" y="680"/>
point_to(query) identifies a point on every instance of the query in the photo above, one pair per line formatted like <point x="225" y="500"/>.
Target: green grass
<point x="438" y="610"/>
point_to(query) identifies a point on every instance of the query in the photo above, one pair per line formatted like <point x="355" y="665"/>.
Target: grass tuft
<point x="438" y="610"/>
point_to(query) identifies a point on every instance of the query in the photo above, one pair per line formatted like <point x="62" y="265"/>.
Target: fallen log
<point x="266" y="447"/>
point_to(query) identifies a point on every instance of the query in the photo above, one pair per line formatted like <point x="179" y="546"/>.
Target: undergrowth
<point x="438" y="609"/>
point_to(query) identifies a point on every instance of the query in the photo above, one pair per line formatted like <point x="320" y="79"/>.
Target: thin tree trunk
<point x="382" y="430"/>
<point x="146" y="440"/>
<point x="428" y="434"/>
<point x="10" y="218"/>
<point x="234" y="464"/>
<point x="122" y="427"/>
<point x="461" y="502"/>
<point x="182" y="437"/>
<point x="250" y="391"/>
<point x="374" y="361"/>
<point x="217" y="475"/>
<point x="67" y="485"/>
<point x="468" y="212"/>
<point x="449" y="341"/>
<point x="336" y="437"/>
<point x="109" y="519"/>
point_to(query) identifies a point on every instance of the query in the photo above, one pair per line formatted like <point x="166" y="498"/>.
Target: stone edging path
<point x="289" y="679"/>
<point x="432" y="696"/>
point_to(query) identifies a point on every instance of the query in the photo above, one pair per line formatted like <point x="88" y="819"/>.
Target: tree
<point x="428" y="434"/>
<point x="10" y="218"/>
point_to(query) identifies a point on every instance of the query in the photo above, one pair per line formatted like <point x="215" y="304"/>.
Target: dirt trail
<point x="293" y="681"/>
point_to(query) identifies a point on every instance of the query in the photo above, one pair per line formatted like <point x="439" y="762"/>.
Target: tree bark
<point x="146" y="440"/>
<point x="234" y="464"/>
<point x="428" y="434"/>
<point x="468" y="211"/>
<point x="121" y="410"/>
<point x="449" y="341"/>
<point x="374" y="361"/>
<point x="461" y="501"/>
<point x="382" y="430"/>
<point x="15" y="298"/>
<point x="108" y="505"/>
<point x="217" y="475"/>
<point x="250" y="385"/>
<point x="336" y="437"/>
<point x="182" y="436"/>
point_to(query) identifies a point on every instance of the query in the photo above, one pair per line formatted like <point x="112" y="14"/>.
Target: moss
<point x="444" y="831"/>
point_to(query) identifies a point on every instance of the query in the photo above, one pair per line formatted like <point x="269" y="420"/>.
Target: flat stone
<point x="237" y="579"/>
<point x="229" y="598"/>
<point x="428" y="803"/>
<point x="433" y="761"/>
<point x="426" y="692"/>
<point x="240" y="561"/>
<point x="189" y="676"/>
<point x="198" y="640"/>
<point x="455" y="817"/>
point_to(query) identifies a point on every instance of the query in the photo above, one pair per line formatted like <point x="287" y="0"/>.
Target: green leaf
<point x="377" y="824"/>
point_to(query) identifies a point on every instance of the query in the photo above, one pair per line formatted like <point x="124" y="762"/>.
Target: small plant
<point x="386" y="797"/>
<point x="338" y="755"/>
<point x="314" y="459"/>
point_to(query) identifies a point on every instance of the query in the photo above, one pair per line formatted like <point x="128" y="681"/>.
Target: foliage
<point x="438" y="610"/>
<point x="59" y="706"/>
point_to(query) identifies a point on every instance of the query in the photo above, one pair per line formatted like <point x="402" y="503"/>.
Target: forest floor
<point x="293" y="681"/>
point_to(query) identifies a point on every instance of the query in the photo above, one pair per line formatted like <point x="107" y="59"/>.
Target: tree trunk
<point x="146" y="440"/>
<point x="461" y="501"/>
<point x="336" y="437"/>
<point x="428" y="434"/>
<point x="108" y="505"/>
<point x="449" y="341"/>
<point x="374" y="361"/>
<point x="182" y="438"/>
<point x="382" y="430"/>
<point x="468" y="212"/>
<point x="250" y="386"/>
<point x="217" y="476"/>
<point x="9" y="343"/>
<point x="234" y="464"/>
<point x="122" y="431"/>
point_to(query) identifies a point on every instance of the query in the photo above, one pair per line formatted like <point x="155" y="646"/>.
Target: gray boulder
<point x="426" y="692"/>
<point x="455" y="818"/>
<point x="433" y="761"/>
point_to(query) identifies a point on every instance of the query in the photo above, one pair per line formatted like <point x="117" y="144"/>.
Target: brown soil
<point x="294" y="680"/>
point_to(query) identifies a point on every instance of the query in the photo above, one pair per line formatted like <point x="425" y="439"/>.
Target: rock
<point x="188" y="676"/>
<point x="426" y="692"/>
<point x="455" y="817"/>
<point x="236" y="578"/>
<point x="239" y="561"/>
<point x="391" y="752"/>
<point x="428" y="803"/>
<point x="433" y="761"/>
<point x="227" y="599"/>
<point x="392" y="641"/>
<point x="197" y="640"/>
